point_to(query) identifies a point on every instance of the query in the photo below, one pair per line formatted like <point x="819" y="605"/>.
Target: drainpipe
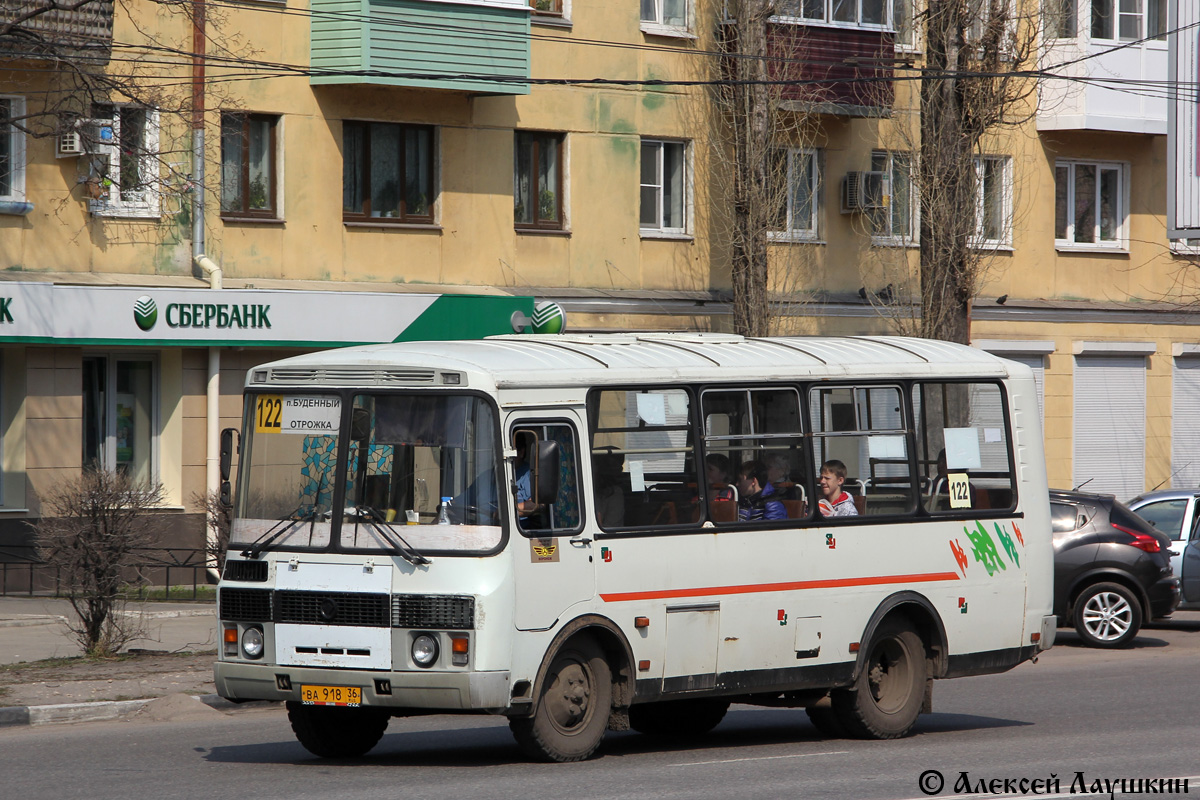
<point x="212" y="272"/>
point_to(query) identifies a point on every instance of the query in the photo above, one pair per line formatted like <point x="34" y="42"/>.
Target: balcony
<point x="429" y="44"/>
<point x="41" y="32"/>
<point x="1117" y="94"/>
<point x="840" y="71"/>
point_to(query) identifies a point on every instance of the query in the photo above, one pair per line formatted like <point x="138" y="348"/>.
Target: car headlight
<point x="252" y="643"/>
<point x="424" y="650"/>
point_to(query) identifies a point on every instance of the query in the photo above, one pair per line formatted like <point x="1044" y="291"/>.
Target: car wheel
<point x="1107" y="615"/>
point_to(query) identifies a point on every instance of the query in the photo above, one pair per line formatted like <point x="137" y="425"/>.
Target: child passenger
<point x="757" y="499"/>
<point x="834" y="502"/>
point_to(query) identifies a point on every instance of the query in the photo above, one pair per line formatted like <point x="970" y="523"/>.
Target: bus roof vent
<point x="357" y="376"/>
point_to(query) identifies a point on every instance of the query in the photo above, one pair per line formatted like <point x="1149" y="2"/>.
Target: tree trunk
<point x="751" y="121"/>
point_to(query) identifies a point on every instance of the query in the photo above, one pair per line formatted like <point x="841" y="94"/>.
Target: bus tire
<point x="887" y="696"/>
<point x="573" y="707"/>
<point x="827" y="722"/>
<point x="336" y="732"/>
<point x="679" y="719"/>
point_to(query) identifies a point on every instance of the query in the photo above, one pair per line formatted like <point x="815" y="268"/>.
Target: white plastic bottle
<point x="444" y="511"/>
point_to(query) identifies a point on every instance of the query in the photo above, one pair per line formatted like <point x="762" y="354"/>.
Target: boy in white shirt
<point x="834" y="502"/>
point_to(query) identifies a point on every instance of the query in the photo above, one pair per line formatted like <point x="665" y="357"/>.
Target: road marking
<point x="1188" y="778"/>
<point x="761" y="758"/>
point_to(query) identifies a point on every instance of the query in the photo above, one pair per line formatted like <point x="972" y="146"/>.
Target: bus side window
<point x="962" y="435"/>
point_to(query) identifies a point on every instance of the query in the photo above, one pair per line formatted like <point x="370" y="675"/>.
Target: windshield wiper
<point x="385" y="529"/>
<point x="277" y="531"/>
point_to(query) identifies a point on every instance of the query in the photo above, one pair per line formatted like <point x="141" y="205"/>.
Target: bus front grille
<point x="332" y="608"/>
<point x="249" y="571"/>
<point x="245" y="605"/>
<point x="446" y="612"/>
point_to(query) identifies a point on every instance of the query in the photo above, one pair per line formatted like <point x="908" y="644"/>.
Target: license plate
<point x="331" y="695"/>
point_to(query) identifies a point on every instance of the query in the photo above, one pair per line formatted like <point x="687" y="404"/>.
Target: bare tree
<point x="64" y="61"/>
<point x="975" y="84"/>
<point x="90" y="532"/>
<point x="218" y="517"/>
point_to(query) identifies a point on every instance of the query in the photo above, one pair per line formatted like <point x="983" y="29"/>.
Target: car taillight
<point x="1142" y="541"/>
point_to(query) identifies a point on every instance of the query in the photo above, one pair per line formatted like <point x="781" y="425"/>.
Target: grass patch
<point x="170" y="594"/>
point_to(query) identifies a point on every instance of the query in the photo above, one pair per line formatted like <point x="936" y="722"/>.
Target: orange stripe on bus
<point x="667" y="594"/>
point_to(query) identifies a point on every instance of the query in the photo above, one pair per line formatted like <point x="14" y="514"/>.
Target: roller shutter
<point x="1185" y="422"/>
<point x="1110" y="425"/>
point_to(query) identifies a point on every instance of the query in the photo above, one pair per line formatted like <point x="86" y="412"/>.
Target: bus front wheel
<point x="886" y="698"/>
<point x="573" y="708"/>
<point x="336" y="732"/>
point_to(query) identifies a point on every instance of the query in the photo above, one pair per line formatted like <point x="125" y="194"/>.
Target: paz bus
<point x="529" y="526"/>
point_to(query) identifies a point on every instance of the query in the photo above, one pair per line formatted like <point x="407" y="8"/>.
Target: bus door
<point x="552" y="556"/>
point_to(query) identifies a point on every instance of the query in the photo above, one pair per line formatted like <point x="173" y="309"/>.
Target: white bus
<point x="597" y="532"/>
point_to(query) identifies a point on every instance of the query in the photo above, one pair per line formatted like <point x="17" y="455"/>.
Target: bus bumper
<point x="450" y="691"/>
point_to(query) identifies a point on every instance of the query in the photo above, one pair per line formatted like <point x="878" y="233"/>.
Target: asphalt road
<point x="1109" y="715"/>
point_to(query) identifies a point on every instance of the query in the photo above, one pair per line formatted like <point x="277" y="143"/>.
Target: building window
<point x="248" y="161"/>
<point x="993" y="201"/>
<point x="547" y="8"/>
<point x="387" y="172"/>
<point x="904" y="15"/>
<point x="664" y="186"/>
<point x="1089" y="208"/>
<point x="537" y="181"/>
<point x="1129" y="20"/>
<point x="796" y="206"/>
<point x="896" y="221"/>
<point x="671" y="14"/>
<point x="120" y="428"/>
<point x="12" y="150"/>
<point x="124" y="161"/>
<point x="873" y="13"/>
<point x="1059" y="17"/>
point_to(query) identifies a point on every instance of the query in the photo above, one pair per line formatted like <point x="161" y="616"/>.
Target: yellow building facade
<point x="360" y="156"/>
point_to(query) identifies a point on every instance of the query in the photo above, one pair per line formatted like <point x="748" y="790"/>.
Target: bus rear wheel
<point x="678" y="718"/>
<point x="336" y="732"/>
<point x="886" y="699"/>
<point x="573" y="708"/>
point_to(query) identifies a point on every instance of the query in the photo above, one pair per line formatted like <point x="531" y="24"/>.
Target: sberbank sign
<point x="203" y="315"/>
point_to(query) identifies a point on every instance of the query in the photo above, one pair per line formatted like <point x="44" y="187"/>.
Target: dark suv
<point x="1112" y="569"/>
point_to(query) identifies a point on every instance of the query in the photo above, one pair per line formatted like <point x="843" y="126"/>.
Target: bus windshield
<point x="421" y="474"/>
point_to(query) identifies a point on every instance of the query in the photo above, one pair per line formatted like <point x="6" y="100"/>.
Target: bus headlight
<point x="252" y="643"/>
<point x="424" y="650"/>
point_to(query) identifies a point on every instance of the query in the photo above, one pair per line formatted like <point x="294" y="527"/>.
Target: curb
<point x="30" y="621"/>
<point x="51" y="619"/>
<point x="106" y="710"/>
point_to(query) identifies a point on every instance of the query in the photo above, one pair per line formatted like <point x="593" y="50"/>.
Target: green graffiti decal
<point x="1009" y="547"/>
<point x="984" y="549"/>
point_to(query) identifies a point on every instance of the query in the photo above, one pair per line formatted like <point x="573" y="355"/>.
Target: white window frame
<point x="827" y="16"/>
<point x="914" y="10"/>
<point x="1142" y="14"/>
<point x="790" y="233"/>
<point x="1185" y="247"/>
<point x="910" y="237"/>
<point x="1006" y="203"/>
<point x="16" y="150"/>
<point x="656" y="26"/>
<point x="109" y="447"/>
<point x="113" y="205"/>
<point x="662" y="231"/>
<point x="1121" y="241"/>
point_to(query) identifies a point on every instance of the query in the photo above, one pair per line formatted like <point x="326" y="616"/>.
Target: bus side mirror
<point x="548" y="459"/>
<point x="228" y="446"/>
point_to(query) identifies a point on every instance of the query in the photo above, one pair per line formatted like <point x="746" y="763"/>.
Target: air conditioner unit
<point x="862" y="191"/>
<point x="87" y="136"/>
<point x="70" y="144"/>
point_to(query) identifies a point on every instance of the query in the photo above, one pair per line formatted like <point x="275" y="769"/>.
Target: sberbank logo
<point x="548" y="317"/>
<point x="145" y="312"/>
